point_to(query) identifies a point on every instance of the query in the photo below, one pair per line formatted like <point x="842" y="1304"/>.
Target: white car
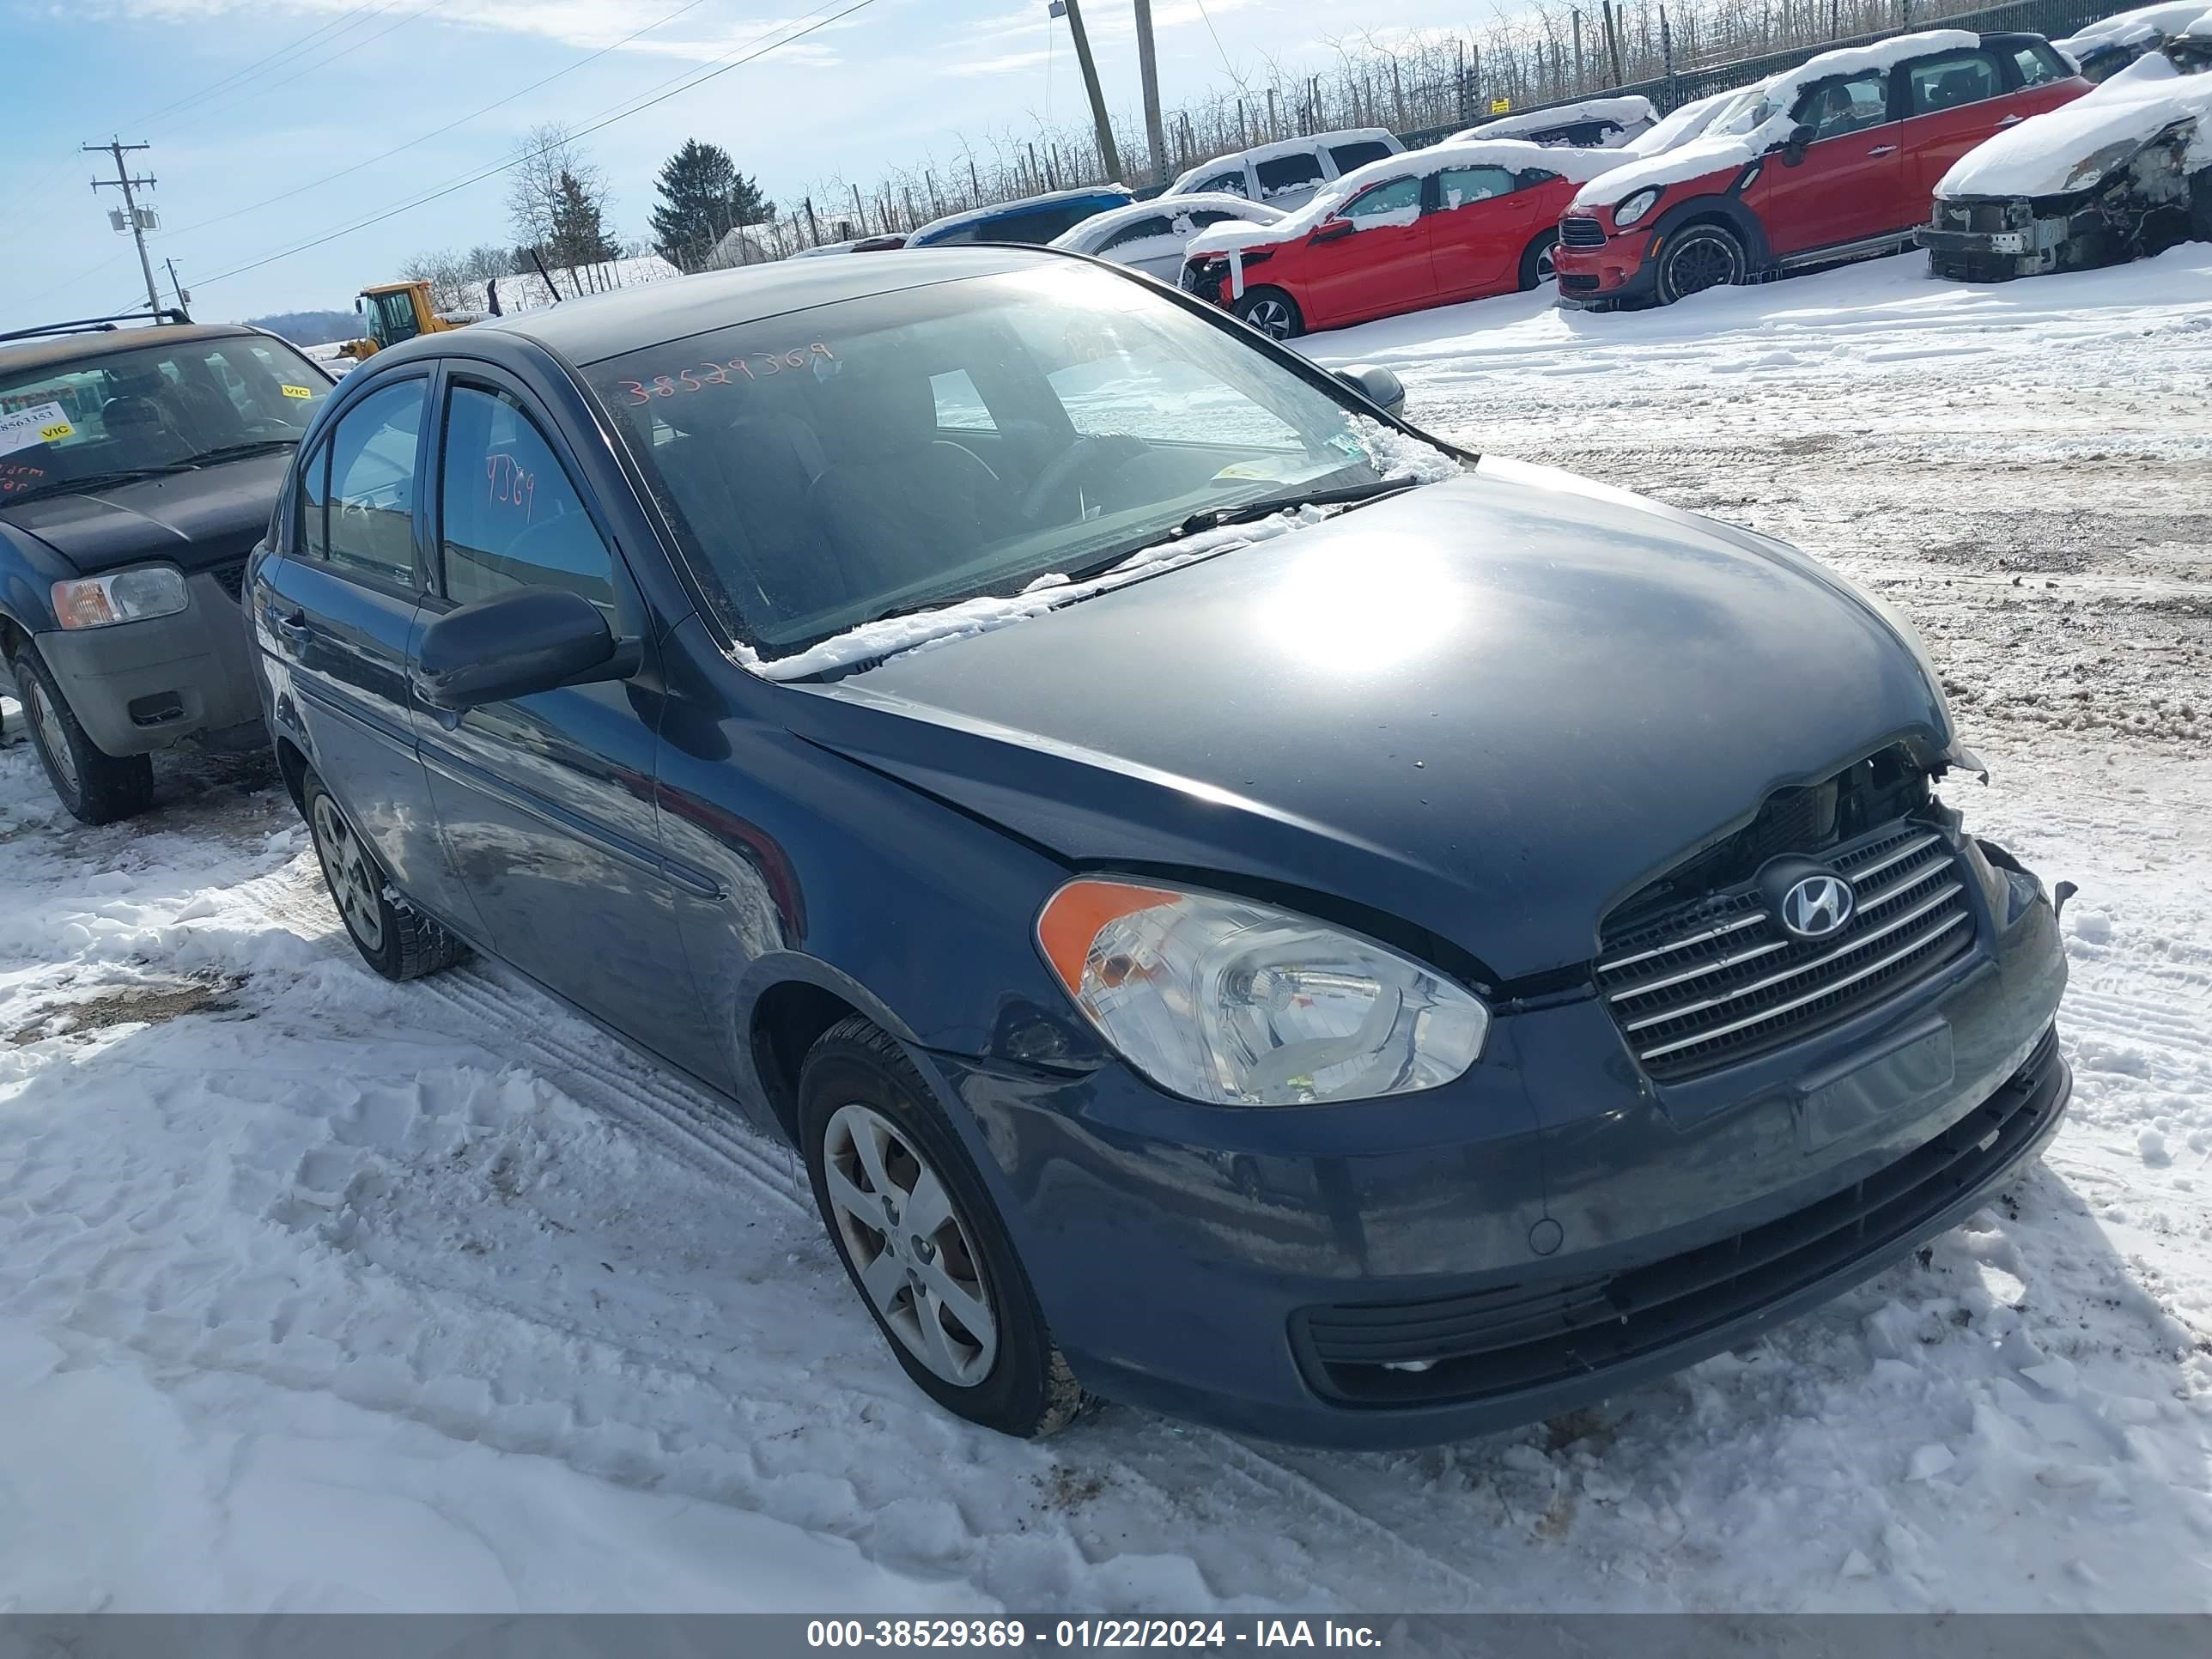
<point x="1292" y="171"/>
<point x="1151" y="236"/>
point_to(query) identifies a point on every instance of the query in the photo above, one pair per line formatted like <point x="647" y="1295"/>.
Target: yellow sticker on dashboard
<point x="295" y="390"/>
<point x="55" y="432"/>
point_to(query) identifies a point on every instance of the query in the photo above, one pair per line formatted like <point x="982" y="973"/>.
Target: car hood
<point x="1489" y="709"/>
<point x="194" y="519"/>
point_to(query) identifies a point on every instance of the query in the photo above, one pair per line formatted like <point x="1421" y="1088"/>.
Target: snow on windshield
<point x="2147" y="23"/>
<point x="1628" y="110"/>
<point x="1738" y="136"/>
<point x="2073" y="147"/>
<point x="1390" y="453"/>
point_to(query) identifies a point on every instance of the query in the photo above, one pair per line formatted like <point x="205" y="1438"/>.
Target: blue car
<point x="1034" y="219"/>
<point x="1242" y="908"/>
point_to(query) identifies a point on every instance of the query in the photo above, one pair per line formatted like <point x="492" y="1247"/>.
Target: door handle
<point x="2012" y="120"/>
<point x="1883" y="149"/>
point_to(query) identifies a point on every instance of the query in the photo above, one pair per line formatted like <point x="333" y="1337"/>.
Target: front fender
<point x="1729" y="208"/>
<point x="28" y="570"/>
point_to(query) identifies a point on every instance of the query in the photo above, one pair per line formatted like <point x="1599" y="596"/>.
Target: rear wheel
<point x="921" y="1241"/>
<point x="1699" y="257"/>
<point x="96" y="787"/>
<point x="1538" y="263"/>
<point x="1273" y="312"/>
<point x="392" y="936"/>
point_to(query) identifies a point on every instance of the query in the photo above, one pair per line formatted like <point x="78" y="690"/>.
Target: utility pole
<point x="1107" y="153"/>
<point x="176" y="286"/>
<point x="1148" y="72"/>
<point x="123" y="182"/>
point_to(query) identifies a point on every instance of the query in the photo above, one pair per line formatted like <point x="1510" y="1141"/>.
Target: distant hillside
<point x="307" y="328"/>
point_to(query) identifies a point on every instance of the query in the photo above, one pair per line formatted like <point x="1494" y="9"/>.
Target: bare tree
<point x="550" y="169"/>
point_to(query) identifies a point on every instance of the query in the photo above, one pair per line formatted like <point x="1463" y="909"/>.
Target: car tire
<point x="392" y="936"/>
<point x="96" y="787"/>
<point x="953" y="1303"/>
<point x="1697" y="257"/>
<point x="1536" y="267"/>
<point x="1271" y="311"/>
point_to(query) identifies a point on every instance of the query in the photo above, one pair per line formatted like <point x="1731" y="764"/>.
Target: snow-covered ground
<point x="319" y="1293"/>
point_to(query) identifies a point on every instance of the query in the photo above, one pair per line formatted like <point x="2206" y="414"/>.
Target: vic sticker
<point x="295" y="390"/>
<point x="43" y="423"/>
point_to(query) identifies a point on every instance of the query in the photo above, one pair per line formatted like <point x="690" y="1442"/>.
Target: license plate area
<point x="1894" y="1080"/>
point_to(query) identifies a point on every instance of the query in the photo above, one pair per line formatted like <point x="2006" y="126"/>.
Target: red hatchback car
<point x="1837" y="160"/>
<point x="1457" y="222"/>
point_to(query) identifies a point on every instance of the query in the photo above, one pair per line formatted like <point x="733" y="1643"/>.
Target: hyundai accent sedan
<point x="1242" y="909"/>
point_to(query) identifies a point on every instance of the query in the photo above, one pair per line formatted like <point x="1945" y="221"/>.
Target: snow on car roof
<point x="2073" y="147"/>
<point x="1513" y="153"/>
<point x="1280" y="147"/>
<point x="1079" y="236"/>
<point x="1625" y="111"/>
<point x="1020" y="204"/>
<point x="2132" y="27"/>
<point x="1716" y="151"/>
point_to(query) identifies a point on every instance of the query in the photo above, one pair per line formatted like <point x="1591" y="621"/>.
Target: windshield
<point x="910" y="449"/>
<point x="108" y="416"/>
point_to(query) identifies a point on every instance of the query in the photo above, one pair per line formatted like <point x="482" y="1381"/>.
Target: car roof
<point x="608" y="325"/>
<point x="34" y="354"/>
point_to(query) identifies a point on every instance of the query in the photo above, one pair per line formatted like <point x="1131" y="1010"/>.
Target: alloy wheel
<point x="353" y="879"/>
<point x="51" y="737"/>
<point x="1271" y="317"/>
<point x="1548" y="265"/>
<point x="1701" y="262"/>
<point x="908" y="1246"/>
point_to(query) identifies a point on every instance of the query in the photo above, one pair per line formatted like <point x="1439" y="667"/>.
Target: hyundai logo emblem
<point x="1818" y="906"/>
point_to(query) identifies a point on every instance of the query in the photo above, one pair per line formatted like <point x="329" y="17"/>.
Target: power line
<point x="435" y="132"/>
<point x="209" y="91"/>
<point x="296" y="70"/>
<point x="516" y="160"/>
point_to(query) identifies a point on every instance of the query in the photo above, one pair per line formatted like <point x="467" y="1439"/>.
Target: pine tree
<point x="579" y="236"/>
<point x="703" y="197"/>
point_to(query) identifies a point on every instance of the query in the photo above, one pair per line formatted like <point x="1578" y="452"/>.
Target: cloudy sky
<point x="271" y="121"/>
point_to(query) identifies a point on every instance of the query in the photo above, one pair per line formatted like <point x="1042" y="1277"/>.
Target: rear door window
<point x="1358" y="154"/>
<point x="1459" y="187"/>
<point x="368" y="522"/>
<point x="509" y="516"/>
<point x="1951" y="80"/>
<point x="1846" y="105"/>
<point x="1280" y="175"/>
<point x="1225" y="183"/>
<point x="2039" y="65"/>
<point x="1142" y="230"/>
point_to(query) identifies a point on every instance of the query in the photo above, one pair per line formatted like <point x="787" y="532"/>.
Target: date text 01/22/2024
<point x="1253" y="1633"/>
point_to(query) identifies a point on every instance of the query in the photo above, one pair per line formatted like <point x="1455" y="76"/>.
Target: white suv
<point x="1290" y="173"/>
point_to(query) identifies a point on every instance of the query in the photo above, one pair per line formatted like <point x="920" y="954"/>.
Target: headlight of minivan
<point x="1239" y="1004"/>
<point x="151" y="590"/>
<point x="1633" y="208"/>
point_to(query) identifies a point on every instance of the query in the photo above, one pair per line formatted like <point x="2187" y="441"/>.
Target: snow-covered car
<point x="2109" y="45"/>
<point x="1430" y="226"/>
<point x="1590" y="124"/>
<point x="1835" y="159"/>
<point x="1292" y="171"/>
<point x="2123" y="173"/>
<point x="1690" y="123"/>
<point x="1151" y="236"/>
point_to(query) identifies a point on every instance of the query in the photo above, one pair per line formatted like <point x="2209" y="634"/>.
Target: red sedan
<point x="1838" y="159"/>
<point x="1459" y="221"/>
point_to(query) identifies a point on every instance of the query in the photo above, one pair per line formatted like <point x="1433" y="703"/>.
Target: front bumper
<point x="140" y="686"/>
<point x="1622" y="271"/>
<point x="1547" y="1231"/>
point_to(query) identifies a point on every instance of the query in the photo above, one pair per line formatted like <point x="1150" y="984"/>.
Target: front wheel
<point x="1273" y="312"/>
<point x="1538" y="263"/>
<point x="921" y="1241"/>
<point x="1699" y="257"/>
<point x="96" y="787"/>
<point x="392" y="936"/>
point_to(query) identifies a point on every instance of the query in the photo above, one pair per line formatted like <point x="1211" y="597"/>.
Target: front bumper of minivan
<point x="1548" y="1230"/>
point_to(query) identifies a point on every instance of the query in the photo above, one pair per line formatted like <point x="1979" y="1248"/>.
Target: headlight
<point x="1635" y="207"/>
<point x="152" y="590"/>
<point x="1239" y="1004"/>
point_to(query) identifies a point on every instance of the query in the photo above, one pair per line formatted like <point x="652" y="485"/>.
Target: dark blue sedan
<point x="1242" y="909"/>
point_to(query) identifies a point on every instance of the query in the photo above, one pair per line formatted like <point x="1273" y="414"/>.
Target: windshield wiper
<point x="239" y="452"/>
<point x="1216" y="518"/>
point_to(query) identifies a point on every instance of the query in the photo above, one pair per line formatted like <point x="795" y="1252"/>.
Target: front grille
<point x="1574" y="285"/>
<point x="1718" y="980"/>
<point x="1480" y="1344"/>
<point x="230" y="577"/>
<point x="1974" y="215"/>
<point x="1578" y="232"/>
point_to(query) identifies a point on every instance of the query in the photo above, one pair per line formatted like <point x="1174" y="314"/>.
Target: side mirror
<point x="515" y="645"/>
<point x="1335" y="230"/>
<point x="357" y="302"/>
<point x="1793" y="148"/>
<point x="1380" y="386"/>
